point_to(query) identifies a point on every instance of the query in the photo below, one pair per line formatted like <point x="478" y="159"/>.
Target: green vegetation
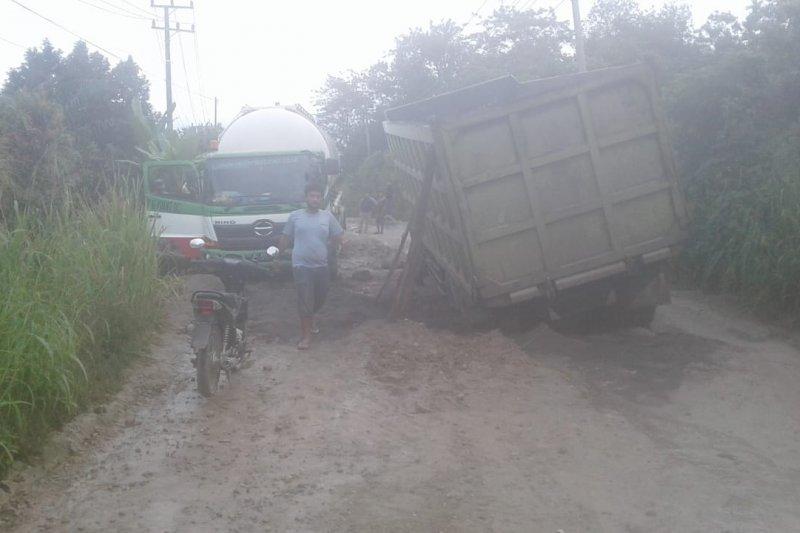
<point x="745" y="237"/>
<point x="373" y="176"/>
<point x="80" y="297"/>
<point x="730" y="92"/>
<point x="78" y="269"/>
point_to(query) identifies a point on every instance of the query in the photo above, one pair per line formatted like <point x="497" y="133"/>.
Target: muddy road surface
<point x="690" y="426"/>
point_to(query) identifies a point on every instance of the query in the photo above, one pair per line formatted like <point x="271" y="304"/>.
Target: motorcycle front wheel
<point x="209" y="363"/>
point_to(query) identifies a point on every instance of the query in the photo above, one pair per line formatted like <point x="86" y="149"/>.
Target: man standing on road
<point x="315" y="233"/>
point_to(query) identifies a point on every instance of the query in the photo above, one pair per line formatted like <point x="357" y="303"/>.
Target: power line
<point x="186" y="78"/>
<point x="125" y="9"/>
<point x="119" y="14"/>
<point x="476" y="12"/>
<point x="101" y="48"/>
<point x="198" y="70"/>
<point x="160" y="48"/>
<point x="51" y="21"/>
<point x="11" y="42"/>
<point x="137" y="8"/>
<point x="168" y="30"/>
<point x="87" y="41"/>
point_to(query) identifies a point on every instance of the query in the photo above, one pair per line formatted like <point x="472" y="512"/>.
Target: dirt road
<point x="692" y="426"/>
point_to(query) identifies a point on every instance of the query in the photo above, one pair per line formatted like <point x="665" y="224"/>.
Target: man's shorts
<point x="312" y="287"/>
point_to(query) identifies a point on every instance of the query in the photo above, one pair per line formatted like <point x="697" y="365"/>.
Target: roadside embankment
<point x="80" y="297"/>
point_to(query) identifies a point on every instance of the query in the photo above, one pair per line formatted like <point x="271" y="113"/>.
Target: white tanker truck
<point x="238" y="197"/>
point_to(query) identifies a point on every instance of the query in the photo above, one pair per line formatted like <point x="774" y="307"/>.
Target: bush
<point x="745" y="235"/>
<point x="80" y="296"/>
<point x="38" y="160"/>
<point x="375" y="174"/>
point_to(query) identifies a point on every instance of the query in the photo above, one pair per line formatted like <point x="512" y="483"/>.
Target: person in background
<point x="366" y="209"/>
<point x="314" y="231"/>
<point x="380" y="214"/>
<point x="390" y="201"/>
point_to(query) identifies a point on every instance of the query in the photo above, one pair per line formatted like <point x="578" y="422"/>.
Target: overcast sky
<point x="250" y="52"/>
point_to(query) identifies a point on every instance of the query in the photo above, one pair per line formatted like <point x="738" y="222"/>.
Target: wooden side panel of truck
<point x="543" y="186"/>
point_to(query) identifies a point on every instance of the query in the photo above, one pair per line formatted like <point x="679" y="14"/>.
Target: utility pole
<point x="215" y="111"/>
<point x="167" y="60"/>
<point x="580" y="46"/>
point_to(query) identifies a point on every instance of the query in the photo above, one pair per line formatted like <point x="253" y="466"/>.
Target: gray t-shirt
<point x="311" y="233"/>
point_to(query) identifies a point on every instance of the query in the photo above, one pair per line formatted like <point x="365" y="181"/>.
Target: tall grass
<point x="80" y="297"/>
<point x="745" y="236"/>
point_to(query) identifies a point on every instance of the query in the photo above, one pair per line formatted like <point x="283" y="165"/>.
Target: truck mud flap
<point x="200" y="335"/>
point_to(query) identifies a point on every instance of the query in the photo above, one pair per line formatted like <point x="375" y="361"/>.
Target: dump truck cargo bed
<point x="543" y="186"/>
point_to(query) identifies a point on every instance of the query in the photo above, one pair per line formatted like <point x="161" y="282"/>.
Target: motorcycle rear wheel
<point x="209" y="363"/>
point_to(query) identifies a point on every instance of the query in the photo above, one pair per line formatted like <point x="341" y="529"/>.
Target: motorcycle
<point x="219" y="336"/>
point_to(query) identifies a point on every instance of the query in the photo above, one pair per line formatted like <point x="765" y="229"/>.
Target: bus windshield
<point x="266" y="179"/>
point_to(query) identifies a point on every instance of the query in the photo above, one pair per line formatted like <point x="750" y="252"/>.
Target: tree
<point x="38" y="159"/>
<point x="95" y="98"/>
<point x="422" y="63"/>
<point x="722" y="32"/>
<point x="347" y="107"/>
<point x="529" y="44"/>
<point x="89" y="102"/>
<point x="427" y="62"/>
<point x="619" y="32"/>
<point x="37" y="73"/>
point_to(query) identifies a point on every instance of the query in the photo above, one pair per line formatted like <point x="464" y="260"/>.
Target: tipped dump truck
<point x="561" y="191"/>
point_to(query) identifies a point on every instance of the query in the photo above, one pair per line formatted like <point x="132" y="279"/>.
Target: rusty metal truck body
<point x="544" y="187"/>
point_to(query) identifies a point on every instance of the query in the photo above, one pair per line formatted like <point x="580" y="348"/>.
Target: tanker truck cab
<point x="177" y="213"/>
<point x="239" y="198"/>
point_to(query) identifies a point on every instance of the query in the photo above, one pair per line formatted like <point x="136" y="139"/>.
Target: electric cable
<point x="121" y="8"/>
<point x="476" y="12"/>
<point x="198" y="70"/>
<point x="11" y="42"/>
<point x="51" y="21"/>
<point x="117" y="13"/>
<point x="186" y="79"/>
<point x="137" y="8"/>
<point x="101" y="48"/>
